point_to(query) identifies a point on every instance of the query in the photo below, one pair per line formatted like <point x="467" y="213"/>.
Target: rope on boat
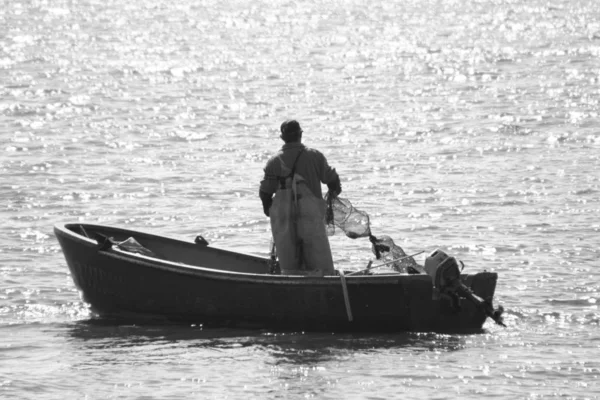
<point x="346" y="296"/>
<point x="369" y="267"/>
<point x="84" y="231"/>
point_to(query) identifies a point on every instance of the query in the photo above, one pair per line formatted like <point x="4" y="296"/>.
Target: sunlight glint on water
<point x="471" y="127"/>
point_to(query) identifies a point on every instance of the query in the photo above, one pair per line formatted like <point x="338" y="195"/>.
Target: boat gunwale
<point x="219" y="274"/>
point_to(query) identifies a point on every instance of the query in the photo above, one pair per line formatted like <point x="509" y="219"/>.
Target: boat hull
<point x="213" y="291"/>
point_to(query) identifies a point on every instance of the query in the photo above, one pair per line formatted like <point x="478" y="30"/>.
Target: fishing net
<point x="355" y="223"/>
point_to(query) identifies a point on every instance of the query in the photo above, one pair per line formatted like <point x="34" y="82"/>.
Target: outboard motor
<point x="442" y="269"/>
<point x="445" y="275"/>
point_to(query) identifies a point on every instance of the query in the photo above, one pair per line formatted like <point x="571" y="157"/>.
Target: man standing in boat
<point x="297" y="211"/>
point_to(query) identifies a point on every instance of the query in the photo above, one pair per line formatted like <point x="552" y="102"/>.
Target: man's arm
<point x="267" y="200"/>
<point x="329" y="176"/>
<point x="268" y="186"/>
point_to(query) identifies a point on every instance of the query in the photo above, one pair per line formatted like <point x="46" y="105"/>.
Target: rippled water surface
<point x="467" y="126"/>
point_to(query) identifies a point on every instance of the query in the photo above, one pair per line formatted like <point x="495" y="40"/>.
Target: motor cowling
<point x="442" y="269"/>
<point x="433" y="261"/>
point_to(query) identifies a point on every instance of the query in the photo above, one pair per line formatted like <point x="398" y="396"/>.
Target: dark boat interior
<point x="198" y="253"/>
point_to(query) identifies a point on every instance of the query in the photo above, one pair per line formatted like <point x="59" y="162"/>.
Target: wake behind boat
<point x="124" y="272"/>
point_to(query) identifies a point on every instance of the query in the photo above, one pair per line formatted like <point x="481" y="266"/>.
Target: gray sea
<point x="468" y="126"/>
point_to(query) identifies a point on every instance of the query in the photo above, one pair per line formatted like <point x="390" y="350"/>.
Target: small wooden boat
<point x="123" y="272"/>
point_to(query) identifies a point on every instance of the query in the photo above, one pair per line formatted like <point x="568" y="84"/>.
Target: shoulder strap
<point x="291" y="175"/>
<point x="282" y="179"/>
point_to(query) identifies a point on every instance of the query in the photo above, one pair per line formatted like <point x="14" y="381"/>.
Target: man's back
<point x="311" y="164"/>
